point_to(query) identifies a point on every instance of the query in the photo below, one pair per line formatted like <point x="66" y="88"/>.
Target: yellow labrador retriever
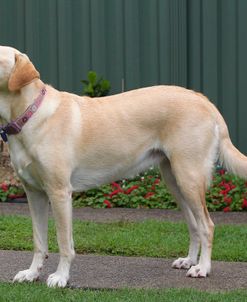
<point x="60" y="142"/>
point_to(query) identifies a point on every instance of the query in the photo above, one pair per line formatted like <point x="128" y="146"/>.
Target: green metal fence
<point x="200" y="44"/>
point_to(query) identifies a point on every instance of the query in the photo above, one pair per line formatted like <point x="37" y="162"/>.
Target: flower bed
<point x="9" y="192"/>
<point x="144" y="191"/>
<point x="227" y="193"/>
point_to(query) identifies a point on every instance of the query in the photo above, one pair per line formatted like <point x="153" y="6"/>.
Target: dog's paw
<point x="197" y="271"/>
<point x="57" y="280"/>
<point x="27" y="275"/>
<point x="183" y="263"/>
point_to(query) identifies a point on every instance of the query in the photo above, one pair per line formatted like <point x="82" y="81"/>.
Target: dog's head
<point x="16" y="70"/>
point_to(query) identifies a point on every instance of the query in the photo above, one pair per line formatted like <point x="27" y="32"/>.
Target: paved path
<point x="92" y="271"/>
<point x="122" y="214"/>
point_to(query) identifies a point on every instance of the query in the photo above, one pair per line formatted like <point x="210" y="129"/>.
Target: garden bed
<point x="7" y="174"/>
<point x="227" y="193"/>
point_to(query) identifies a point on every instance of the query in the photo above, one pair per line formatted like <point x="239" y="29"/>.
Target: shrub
<point x="94" y="86"/>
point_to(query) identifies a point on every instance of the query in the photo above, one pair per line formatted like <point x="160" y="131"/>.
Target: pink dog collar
<point x="15" y="127"/>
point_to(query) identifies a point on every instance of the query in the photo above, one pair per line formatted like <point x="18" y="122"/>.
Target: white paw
<point x="27" y="275"/>
<point x="197" y="271"/>
<point x="57" y="280"/>
<point x="183" y="263"/>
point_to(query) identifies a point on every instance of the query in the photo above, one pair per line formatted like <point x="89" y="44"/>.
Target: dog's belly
<point x="86" y="177"/>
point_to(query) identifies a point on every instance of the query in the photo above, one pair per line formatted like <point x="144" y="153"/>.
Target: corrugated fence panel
<point x="209" y="48"/>
<point x="200" y="44"/>
<point x="203" y="47"/>
<point x="149" y="50"/>
<point x="178" y="42"/>
<point x="81" y="42"/>
<point x="12" y="21"/>
<point x="41" y="37"/>
<point x="65" y="45"/>
<point x="98" y="36"/>
<point x="164" y="37"/>
<point x="194" y="45"/>
<point x="114" y="59"/>
<point x="228" y="66"/>
<point x="131" y="44"/>
<point x="217" y="61"/>
<point x="242" y="73"/>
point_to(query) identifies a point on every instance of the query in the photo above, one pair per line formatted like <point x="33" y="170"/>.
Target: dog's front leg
<point x="38" y="205"/>
<point x="62" y="211"/>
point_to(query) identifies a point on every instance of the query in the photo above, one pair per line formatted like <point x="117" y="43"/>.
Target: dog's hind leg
<point x="191" y="178"/>
<point x="191" y="259"/>
<point x="38" y="205"/>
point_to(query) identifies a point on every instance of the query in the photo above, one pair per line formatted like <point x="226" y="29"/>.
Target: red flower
<point x="222" y="183"/>
<point x="149" y="194"/>
<point x="107" y="203"/>
<point x="115" y="192"/>
<point x="227" y="200"/>
<point x="222" y="172"/>
<point x="128" y="191"/>
<point x="228" y="186"/>
<point x="223" y="192"/>
<point x="157" y="181"/>
<point x="244" y="204"/>
<point x="227" y="209"/>
<point x="4" y="187"/>
<point x="116" y="185"/>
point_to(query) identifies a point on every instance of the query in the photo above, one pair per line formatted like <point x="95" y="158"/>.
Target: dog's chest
<point x="27" y="176"/>
<point x="23" y="165"/>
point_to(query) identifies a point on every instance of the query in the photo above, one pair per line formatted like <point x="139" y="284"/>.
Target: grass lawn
<point x="37" y="293"/>
<point x="148" y="238"/>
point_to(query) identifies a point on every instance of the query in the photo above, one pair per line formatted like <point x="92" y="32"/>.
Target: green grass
<point x="148" y="238"/>
<point x="37" y="293"/>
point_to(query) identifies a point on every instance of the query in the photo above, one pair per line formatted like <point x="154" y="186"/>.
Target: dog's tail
<point x="230" y="157"/>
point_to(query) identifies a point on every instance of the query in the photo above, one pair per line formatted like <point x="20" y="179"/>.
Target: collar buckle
<point x="3" y="135"/>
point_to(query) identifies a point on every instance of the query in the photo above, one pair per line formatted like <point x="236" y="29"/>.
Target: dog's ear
<point x="22" y="74"/>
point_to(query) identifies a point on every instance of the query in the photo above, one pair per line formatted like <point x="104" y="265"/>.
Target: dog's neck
<point x="14" y="104"/>
<point x="5" y="100"/>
